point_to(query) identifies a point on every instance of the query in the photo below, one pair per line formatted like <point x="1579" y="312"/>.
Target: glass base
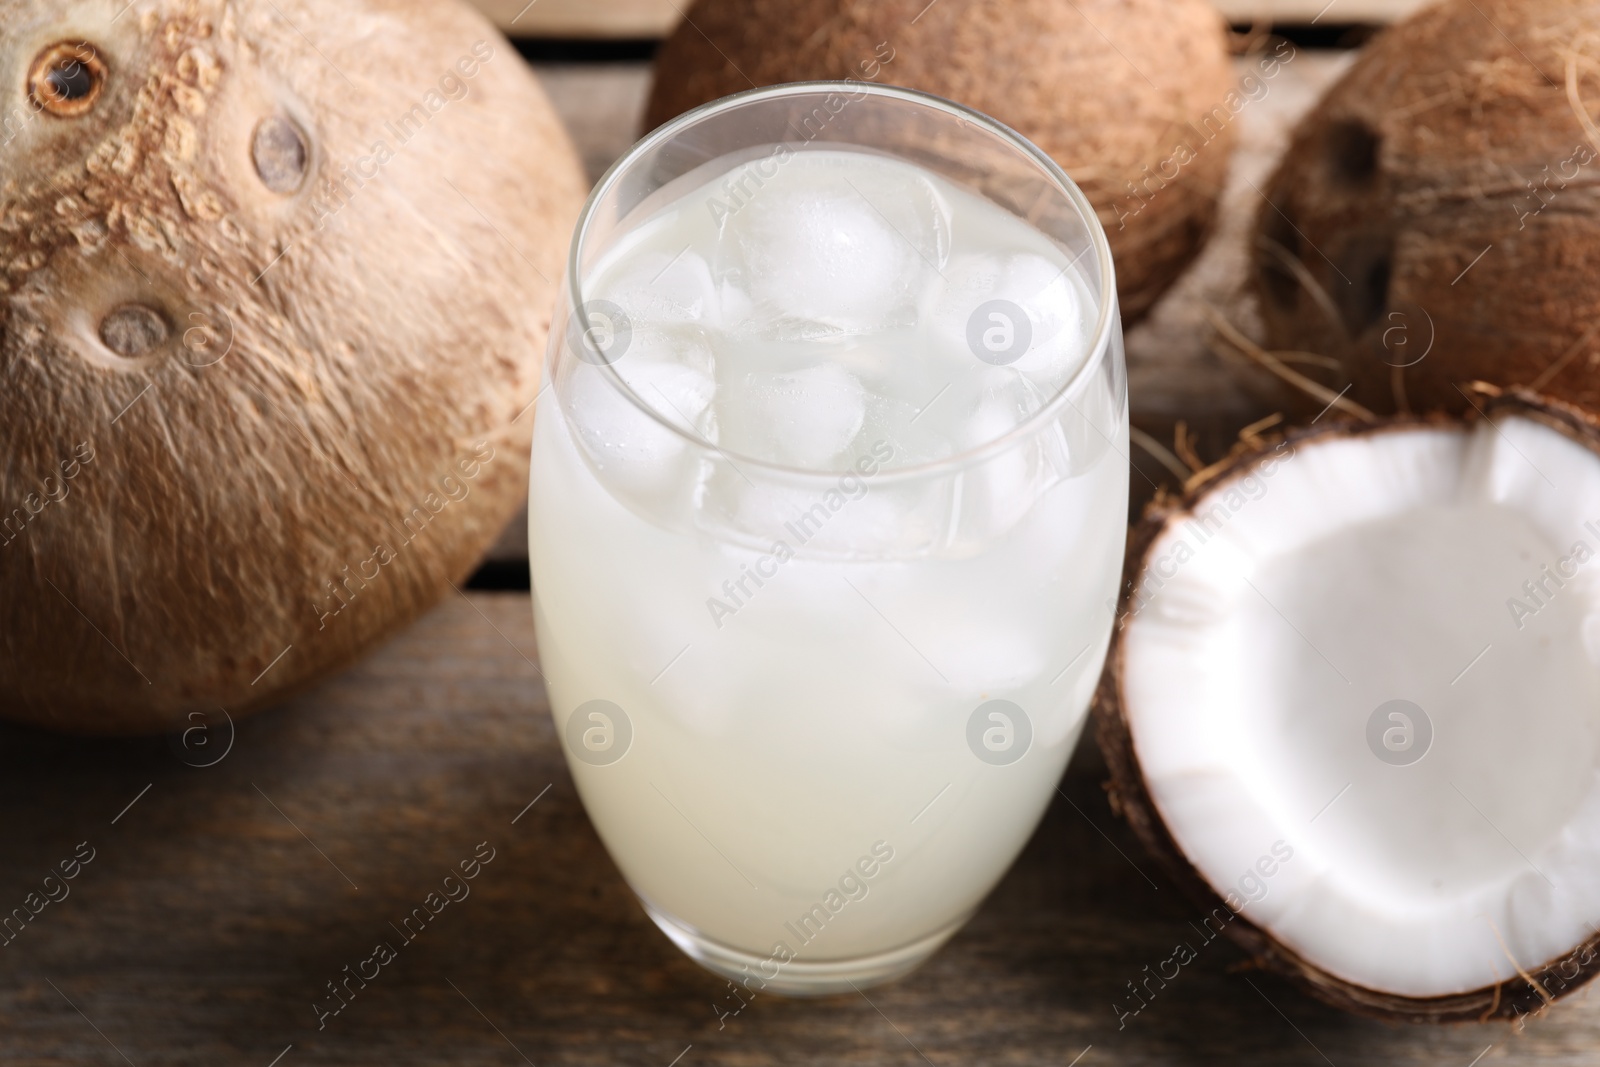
<point x="798" y="977"/>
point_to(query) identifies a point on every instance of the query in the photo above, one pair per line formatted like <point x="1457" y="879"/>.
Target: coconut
<point x="1134" y="98"/>
<point x="1436" y="215"/>
<point x="276" y="280"/>
<point x="1350" y="706"/>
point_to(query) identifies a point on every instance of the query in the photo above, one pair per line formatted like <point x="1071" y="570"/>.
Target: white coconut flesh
<point x="1359" y="570"/>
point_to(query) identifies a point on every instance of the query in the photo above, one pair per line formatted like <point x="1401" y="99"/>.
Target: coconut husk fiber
<point x="270" y="322"/>
<point x="1436" y="217"/>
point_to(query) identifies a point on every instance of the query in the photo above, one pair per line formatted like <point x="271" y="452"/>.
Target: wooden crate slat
<point x="635" y="19"/>
<point x="1317" y="12"/>
<point x="599" y="19"/>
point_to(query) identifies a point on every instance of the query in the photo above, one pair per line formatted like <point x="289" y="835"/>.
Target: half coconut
<point x="1354" y="706"/>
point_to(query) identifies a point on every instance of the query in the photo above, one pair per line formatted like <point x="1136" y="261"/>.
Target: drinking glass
<point x="814" y="714"/>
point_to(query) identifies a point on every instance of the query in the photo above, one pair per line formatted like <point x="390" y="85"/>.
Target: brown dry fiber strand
<point x="1441" y="199"/>
<point x="1131" y="97"/>
<point x="253" y="420"/>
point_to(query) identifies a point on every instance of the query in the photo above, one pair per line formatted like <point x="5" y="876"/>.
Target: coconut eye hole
<point x="280" y="154"/>
<point x="134" y="330"/>
<point x="67" y="78"/>
<point x="1367" y="260"/>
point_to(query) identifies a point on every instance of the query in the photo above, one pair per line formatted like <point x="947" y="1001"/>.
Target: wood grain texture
<point x="581" y="19"/>
<point x="601" y="19"/>
<point x="218" y="905"/>
<point x="1316" y="12"/>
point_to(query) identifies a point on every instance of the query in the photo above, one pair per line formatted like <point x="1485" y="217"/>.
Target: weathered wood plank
<point x="634" y="19"/>
<point x="1316" y="12"/>
<point x="595" y="19"/>
<point x="219" y="904"/>
<point x="601" y="104"/>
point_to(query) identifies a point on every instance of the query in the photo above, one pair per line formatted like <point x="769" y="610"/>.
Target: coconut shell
<point x="1116" y="91"/>
<point x="1436" y="216"/>
<point x="1130" y="796"/>
<point x="275" y="278"/>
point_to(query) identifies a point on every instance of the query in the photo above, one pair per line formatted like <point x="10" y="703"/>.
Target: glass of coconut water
<point x="828" y="499"/>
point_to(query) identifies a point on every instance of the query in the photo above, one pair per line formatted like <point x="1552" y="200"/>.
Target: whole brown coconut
<point x="1436" y="220"/>
<point x="1131" y="97"/>
<point x="274" y="278"/>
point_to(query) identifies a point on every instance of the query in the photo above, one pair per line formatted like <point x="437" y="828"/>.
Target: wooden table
<point x="221" y="900"/>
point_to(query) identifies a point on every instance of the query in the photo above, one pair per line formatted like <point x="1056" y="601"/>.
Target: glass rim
<point x="1100" y="341"/>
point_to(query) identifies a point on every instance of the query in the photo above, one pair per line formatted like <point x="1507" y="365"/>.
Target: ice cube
<point x="805" y="417"/>
<point x="753" y="511"/>
<point x="1002" y="487"/>
<point x="672" y="372"/>
<point x="840" y="514"/>
<point x="833" y="241"/>
<point x="1046" y="291"/>
<point x="634" y="456"/>
<point x="660" y="289"/>
<point x="646" y="464"/>
<point x="968" y="309"/>
<point x="1005" y="401"/>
